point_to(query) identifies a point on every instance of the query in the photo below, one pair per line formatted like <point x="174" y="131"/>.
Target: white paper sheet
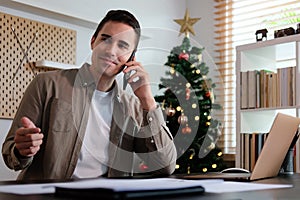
<point x="231" y="186"/>
<point x="211" y="185"/>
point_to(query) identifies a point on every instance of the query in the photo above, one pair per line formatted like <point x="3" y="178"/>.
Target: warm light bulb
<point x="214" y="166"/>
<point x="194" y="105"/>
<point x="172" y="71"/>
<point x="178" y="108"/>
<point x="220" y="154"/>
<point x="197" y="118"/>
<point x="204" y="169"/>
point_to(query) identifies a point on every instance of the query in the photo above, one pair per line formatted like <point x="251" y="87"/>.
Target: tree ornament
<point x="187" y="93"/>
<point x="200" y="58"/>
<point x="186" y="129"/>
<point x="211" y="146"/>
<point x="172" y="71"/>
<point x="187" y="23"/>
<point x="184" y="56"/>
<point x="170" y="111"/>
<point x="192" y="153"/>
<point x="212" y="96"/>
<point x="207" y="94"/>
<point x="182" y="119"/>
<point x="143" y="167"/>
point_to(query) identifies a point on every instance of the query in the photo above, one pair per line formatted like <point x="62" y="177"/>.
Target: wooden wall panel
<point x="51" y="43"/>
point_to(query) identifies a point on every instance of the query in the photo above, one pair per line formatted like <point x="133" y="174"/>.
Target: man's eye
<point x="123" y="46"/>
<point x="106" y="40"/>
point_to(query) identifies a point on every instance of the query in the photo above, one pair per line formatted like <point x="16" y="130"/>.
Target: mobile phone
<point x="127" y="76"/>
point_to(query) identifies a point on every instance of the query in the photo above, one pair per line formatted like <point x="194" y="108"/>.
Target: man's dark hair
<point x="122" y="16"/>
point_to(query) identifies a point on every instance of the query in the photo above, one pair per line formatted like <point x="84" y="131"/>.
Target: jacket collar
<point x="87" y="80"/>
<point x="85" y="75"/>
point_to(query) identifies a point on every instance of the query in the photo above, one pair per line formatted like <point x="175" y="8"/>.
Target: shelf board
<point x="54" y="65"/>
<point x="267" y="43"/>
<point x="270" y="109"/>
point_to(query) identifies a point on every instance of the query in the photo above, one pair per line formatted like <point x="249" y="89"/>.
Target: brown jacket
<point x="58" y="102"/>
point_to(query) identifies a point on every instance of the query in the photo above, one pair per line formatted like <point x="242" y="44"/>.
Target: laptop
<point x="282" y="134"/>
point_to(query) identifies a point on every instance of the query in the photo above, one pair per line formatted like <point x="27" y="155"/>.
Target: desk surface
<point x="285" y="193"/>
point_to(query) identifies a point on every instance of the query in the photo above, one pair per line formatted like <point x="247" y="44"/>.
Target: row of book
<point x="263" y="88"/>
<point x="251" y="145"/>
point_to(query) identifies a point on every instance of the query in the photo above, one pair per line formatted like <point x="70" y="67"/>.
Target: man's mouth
<point x="108" y="61"/>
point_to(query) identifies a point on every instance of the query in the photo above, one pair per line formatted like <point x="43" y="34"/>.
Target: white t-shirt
<point x="94" y="152"/>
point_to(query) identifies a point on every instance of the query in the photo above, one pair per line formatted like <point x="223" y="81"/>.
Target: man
<point x="79" y="123"/>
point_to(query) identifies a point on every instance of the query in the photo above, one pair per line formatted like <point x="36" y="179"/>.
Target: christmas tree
<point x="188" y="101"/>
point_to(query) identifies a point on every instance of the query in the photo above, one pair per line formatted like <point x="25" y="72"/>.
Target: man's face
<point x="112" y="48"/>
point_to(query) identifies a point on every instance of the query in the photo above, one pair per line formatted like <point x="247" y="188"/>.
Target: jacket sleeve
<point x="154" y="143"/>
<point x="30" y="107"/>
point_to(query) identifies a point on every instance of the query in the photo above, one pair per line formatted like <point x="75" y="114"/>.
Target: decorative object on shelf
<point x="261" y="35"/>
<point x="188" y="88"/>
<point x="284" y="32"/>
<point x="298" y="29"/>
<point x="287" y="166"/>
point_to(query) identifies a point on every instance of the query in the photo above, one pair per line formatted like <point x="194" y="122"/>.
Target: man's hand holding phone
<point x="140" y="83"/>
<point x="28" y="138"/>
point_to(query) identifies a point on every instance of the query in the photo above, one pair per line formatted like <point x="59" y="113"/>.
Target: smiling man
<point x="79" y="123"/>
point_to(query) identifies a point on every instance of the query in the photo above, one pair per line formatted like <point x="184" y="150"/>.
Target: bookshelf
<point x="267" y="77"/>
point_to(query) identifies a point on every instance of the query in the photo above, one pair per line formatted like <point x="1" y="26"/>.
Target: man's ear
<point x="92" y="42"/>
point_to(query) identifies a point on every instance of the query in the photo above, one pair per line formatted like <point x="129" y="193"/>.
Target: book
<point x="252" y="88"/>
<point x="128" y="188"/>
<point x="104" y="193"/>
<point x="244" y="90"/>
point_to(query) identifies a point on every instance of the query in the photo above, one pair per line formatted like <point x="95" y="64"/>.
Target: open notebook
<point x="268" y="164"/>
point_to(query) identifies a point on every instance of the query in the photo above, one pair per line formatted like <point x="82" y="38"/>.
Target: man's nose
<point x="111" y="50"/>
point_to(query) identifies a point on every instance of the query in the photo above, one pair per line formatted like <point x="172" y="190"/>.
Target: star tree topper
<point x="187" y="23"/>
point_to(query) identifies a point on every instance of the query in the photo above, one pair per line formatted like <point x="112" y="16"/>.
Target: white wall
<point x="160" y="32"/>
<point x="5" y="173"/>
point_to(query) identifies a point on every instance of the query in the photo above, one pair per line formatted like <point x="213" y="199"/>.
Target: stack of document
<point x="120" y="188"/>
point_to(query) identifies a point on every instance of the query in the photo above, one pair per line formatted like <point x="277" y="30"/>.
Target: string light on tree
<point x="191" y="96"/>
